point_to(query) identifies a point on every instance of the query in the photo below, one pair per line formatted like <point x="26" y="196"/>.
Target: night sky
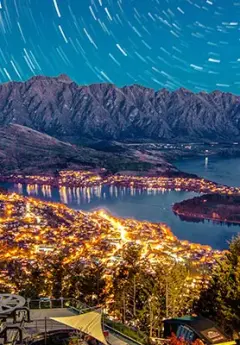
<point x="157" y="43"/>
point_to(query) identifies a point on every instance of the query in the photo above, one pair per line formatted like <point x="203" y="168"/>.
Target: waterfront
<point x="154" y="205"/>
<point x="151" y="205"/>
<point x="52" y="243"/>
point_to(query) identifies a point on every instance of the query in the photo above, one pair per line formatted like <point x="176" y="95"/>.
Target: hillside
<point x="28" y="151"/>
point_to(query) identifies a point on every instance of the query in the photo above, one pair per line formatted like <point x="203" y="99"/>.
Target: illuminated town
<point x="32" y="231"/>
<point x="100" y="177"/>
<point x="49" y="250"/>
<point x="38" y="235"/>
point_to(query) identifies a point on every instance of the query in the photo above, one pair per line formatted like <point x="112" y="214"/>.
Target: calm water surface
<point x="149" y="205"/>
<point x="225" y="171"/>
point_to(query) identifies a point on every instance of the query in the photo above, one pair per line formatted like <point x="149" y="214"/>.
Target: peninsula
<point x="215" y="207"/>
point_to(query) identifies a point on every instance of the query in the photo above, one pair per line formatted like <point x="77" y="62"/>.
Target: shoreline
<point x="87" y="179"/>
<point x="201" y="218"/>
<point x="184" y="209"/>
<point x="213" y="207"/>
<point x="83" y="236"/>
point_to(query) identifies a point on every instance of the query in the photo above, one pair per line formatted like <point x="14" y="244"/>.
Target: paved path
<point x="115" y="341"/>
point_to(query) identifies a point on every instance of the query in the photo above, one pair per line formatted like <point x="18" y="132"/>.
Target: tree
<point x="85" y="282"/>
<point x="28" y="282"/>
<point x="221" y="301"/>
<point x="56" y="270"/>
<point x="178" y="301"/>
<point x="125" y="281"/>
<point x="151" y="301"/>
<point x="144" y="293"/>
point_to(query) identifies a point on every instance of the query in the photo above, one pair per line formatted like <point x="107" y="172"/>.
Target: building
<point x="191" y="328"/>
<point x="44" y="248"/>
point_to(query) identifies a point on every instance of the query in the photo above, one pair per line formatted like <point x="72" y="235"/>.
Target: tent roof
<point x="89" y="323"/>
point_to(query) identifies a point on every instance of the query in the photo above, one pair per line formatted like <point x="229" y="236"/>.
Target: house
<point x="191" y="328"/>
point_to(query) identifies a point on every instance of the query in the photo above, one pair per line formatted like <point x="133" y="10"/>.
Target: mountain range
<point x="61" y="108"/>
<point x="50" y="123"/>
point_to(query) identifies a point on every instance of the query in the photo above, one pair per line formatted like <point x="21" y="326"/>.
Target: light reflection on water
<point x="79" y="195"/>
<point x="151" y="204"/>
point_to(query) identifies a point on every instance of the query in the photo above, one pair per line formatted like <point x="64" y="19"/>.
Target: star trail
<point x="170" y="44"/>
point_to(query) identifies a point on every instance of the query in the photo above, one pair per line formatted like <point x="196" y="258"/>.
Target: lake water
<point x="225" y="171"/>
<point x="150" y="205"/>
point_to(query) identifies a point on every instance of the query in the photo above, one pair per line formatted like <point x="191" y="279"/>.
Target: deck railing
<point x="49" y="303"/>
<point x="78" y="308"/>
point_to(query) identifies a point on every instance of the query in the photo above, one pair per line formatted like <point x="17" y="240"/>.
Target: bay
<point x="154" y="206"/>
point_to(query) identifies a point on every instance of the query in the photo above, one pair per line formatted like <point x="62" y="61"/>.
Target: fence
<point x="47" y="325"/>
<point x="49" y="303"/>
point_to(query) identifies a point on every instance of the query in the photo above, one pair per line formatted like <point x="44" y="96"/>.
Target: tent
<point x="89" y="323"/>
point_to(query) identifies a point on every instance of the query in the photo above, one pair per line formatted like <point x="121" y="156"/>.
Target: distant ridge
<point x="57" y="106"/>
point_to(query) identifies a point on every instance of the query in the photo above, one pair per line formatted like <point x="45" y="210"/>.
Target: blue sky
<point x="156" y="43"/>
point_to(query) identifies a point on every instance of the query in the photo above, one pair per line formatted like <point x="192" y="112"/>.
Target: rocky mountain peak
<point x="56" y="107"/>
<point x="64" y="78"/>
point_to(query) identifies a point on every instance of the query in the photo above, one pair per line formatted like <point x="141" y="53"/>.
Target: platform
<point x="41" y="322"/>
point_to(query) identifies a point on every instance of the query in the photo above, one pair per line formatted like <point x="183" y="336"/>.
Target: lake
<point x="225" y="171"/>
<point x="150" y="205"/>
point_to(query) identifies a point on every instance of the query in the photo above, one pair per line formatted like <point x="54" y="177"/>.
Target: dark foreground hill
<point x="23" y="150"/>
<point x="61" y="108"/>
